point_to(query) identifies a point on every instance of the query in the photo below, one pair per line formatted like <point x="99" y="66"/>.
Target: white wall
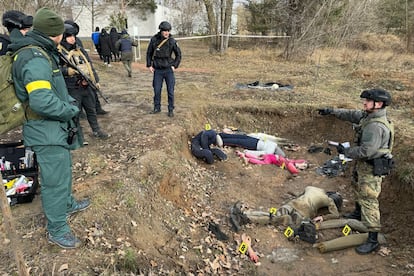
<point x="145" y="28"/>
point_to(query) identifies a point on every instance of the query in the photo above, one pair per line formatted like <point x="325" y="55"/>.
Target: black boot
<point x="356" y="214"/>
<point x="370" y="245"/>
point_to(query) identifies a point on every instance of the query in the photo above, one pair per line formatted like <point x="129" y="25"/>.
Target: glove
<point x="325" y="111"/>
<point x="98" y="86"/>
<point x="341" y="149"/>
<point x="72" y="72"/>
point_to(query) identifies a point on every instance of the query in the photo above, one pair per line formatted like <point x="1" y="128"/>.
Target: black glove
<point x="325" y="111"/>
<point x="341" y="149"/>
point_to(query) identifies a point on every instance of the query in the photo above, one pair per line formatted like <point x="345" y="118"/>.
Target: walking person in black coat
<point x="114" y="37"/>
<point x="105" y="43"/>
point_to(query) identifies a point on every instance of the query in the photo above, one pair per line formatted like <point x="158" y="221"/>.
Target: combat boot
<point x="370" y="245"/>
<point x="356" y="214"/>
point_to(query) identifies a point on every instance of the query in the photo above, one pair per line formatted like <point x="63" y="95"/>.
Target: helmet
<point x="73" y="24"/>
<point x="16" y="19"/>
<point x="70" y="30"/>
<point x="164" y="26"/>
<point x="337" y="198"/>
<point x="377" y="95"/>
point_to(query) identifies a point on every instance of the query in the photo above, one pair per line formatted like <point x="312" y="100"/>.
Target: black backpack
<point x="306" y="231"/>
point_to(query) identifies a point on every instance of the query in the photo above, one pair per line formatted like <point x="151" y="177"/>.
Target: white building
<point x="136" y="26"/>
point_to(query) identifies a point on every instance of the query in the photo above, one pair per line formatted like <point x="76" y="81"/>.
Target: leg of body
<point x="201" y="153"/>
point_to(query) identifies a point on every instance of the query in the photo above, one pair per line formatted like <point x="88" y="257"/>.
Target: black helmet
<point x="337" y="198"/>
<point x="377" y="95"/>
<point x="73" y="24"/>
<point x="70" y="30"/>
<point x="164" y="26"/>
<point x="16" y="19"/>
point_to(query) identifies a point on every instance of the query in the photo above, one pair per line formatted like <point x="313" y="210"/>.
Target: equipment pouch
<point x="383" y="166"/>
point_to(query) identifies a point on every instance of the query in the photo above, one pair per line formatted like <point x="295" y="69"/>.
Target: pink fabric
<point x="275" y="159"/>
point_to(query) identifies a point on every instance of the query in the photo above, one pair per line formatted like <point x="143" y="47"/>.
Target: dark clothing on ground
<point x="200" y="146"/>
<point x="239" y="140"/>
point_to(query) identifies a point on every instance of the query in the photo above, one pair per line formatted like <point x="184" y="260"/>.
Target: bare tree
<point x="190" y="16"/>
<point x="219" y="14"/>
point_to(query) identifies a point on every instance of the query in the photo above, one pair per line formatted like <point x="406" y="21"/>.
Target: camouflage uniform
<point x="374" y="137"/>
<point x="303" y="207"/>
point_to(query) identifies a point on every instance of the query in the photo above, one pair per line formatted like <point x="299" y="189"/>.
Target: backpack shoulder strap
<point x="40" y="49"/>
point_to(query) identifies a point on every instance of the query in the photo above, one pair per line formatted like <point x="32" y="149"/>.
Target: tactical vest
<point x="78" y="58"/>
<point x="383" y="120"/>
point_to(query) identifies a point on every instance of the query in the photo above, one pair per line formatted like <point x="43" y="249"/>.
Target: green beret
<point x="48" y="22"/>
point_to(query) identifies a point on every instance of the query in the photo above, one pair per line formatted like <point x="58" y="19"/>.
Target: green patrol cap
<point x="48" y="22"/>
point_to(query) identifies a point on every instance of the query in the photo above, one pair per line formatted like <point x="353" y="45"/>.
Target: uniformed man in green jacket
<point x="50" y="129"/>
<point x="372" y="151"/>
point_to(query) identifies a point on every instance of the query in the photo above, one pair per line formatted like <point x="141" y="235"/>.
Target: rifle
<point x="84" y="76"/>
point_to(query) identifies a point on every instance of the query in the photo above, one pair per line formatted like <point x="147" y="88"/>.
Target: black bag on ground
<point x="306" y="231"/>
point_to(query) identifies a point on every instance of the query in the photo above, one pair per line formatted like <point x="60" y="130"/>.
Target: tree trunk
<point x="227" y="23"/>
<point x="212" y="23"/>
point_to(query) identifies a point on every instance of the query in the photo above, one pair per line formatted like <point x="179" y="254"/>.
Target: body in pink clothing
<point x="275" y="159"/>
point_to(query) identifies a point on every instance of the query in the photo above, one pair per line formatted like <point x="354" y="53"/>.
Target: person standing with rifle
<point x="162" y="65"/>
<point x="374" y="139"/>
<point x="78" y="80"/>
<point x="50" y="129"/>
<point x="99" y="109"/>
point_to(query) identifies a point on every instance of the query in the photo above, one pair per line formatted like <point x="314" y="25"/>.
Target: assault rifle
<point x="84" y="76"/>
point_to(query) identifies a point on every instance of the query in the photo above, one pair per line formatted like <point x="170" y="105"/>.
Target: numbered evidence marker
<point x="289" y="232"/>
<point x="346" y="230"/>
<point x="207" y="127"/>
<point x="272" y="211"/>
<point x="243" y="247"/>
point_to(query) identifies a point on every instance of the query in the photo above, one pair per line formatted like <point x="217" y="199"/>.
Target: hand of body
<point x="317" y="219"/>
<point x="325" y="111"/>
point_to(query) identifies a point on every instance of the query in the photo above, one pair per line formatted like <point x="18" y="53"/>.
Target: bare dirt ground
<point x="152" y="201"/>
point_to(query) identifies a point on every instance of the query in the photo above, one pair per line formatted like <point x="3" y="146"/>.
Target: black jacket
<point x="105" y="43"/>
<point x="161" y="58"/>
